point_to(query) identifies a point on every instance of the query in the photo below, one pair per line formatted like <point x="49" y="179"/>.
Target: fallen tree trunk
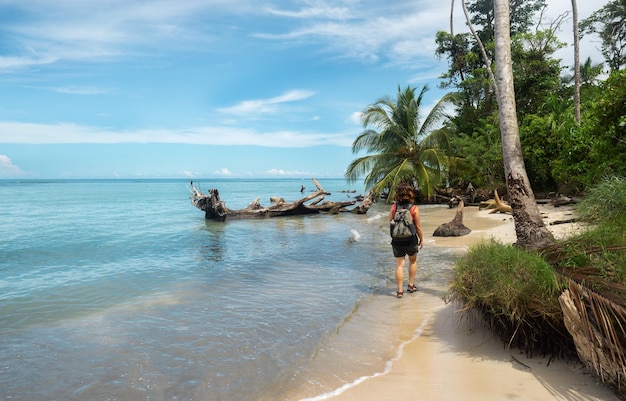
<point x="215" y="209"/>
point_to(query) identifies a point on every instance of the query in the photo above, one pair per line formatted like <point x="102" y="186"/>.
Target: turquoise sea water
<point x="120" y="290"/>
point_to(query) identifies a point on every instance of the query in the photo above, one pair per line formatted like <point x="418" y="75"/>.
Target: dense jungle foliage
<point x="459" y="141"/>
<point x="560" y="154"/>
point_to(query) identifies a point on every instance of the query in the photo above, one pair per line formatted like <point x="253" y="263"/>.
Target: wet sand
<point x="453" y="359"/>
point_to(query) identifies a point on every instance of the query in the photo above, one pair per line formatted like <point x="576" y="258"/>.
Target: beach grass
<point x="601" y="249"/>
<point x="517" y="293"/>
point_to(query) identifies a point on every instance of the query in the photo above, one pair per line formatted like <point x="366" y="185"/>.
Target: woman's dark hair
<point x="404" y="193"/>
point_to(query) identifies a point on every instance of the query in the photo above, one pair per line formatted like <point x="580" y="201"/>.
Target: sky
<point x="212" y="88"/>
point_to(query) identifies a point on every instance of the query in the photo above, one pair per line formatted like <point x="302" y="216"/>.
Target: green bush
<point x="597" y="256"/>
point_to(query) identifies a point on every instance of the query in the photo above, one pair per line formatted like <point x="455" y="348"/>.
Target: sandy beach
<point x="452" y="359"/>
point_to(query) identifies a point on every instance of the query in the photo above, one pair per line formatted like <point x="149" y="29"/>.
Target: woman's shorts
<point x="403" y="250"/>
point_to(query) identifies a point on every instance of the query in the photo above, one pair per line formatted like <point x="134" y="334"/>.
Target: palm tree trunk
<point x="530" y="229"/>
<point x="576" y="63"/>
<point x="452" y="19"/>
<point x="483" y="52"/>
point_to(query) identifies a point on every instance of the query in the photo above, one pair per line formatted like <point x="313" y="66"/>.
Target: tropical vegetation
<point x="520" y="292"/>
<point x="569" y="125"/>
<point x="560" y="155"/>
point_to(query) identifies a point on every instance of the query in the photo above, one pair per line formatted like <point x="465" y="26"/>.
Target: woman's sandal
<point x="411" y="288"/>
<point x="399" y="294"/>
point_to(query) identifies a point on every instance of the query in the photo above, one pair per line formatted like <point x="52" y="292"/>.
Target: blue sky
<point x="209" y="88"/>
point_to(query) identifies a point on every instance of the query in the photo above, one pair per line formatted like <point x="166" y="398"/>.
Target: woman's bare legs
<point x="400" y="273"/>
<point x="412" y="269"/>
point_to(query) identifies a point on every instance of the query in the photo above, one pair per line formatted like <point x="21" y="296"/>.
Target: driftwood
<point x="215" y="209"/>
<point x="566" y="221"/>
<point x="557" y="200"/>
<point x="563" y="200"/>
<point x="455" y="228"/>
<point x="496" y="205"/>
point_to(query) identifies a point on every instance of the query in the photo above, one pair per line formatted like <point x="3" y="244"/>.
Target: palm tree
<point x="400" y="146"/>
<point x="530" y="229"/>
<point x="590" y="72"/>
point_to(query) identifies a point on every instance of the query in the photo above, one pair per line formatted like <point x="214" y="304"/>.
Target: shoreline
<point x="452" y="358"/>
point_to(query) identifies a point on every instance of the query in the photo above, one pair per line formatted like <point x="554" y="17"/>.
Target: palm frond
<point x="599" y="314"/>
<point x="438" y="139"/>
<point x="600" y="322"/>
<point x="367" y="140"/>
<point x="425" y="178"/>
<point x="368" y="164"/>
<point x="388" y="180"/>
<point x="378" y="115"/>
<point x="438" y="114"/>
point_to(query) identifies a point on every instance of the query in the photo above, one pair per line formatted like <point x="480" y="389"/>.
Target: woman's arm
<point x="418" y="225"/>
<point x="392" y="212"/>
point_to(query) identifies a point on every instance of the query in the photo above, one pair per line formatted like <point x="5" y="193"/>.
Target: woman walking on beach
<point x="404" y="198"/>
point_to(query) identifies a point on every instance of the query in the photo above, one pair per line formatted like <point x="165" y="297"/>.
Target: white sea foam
<point x="354" y="235"/>
<point x="375" y="217"/>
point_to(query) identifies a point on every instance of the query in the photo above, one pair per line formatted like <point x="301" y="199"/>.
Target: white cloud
<point x="272" y="105"/>
<point x="17" y="62"/>
<point x="77" y="90"/>
<point x="30" y="133"/>
<point x="283" y="173"/>
<point x="369" y="33"/>
<point x="319" y="10"/>
<point x="356" y="118"/>
<point x="223" y="171"/>
<point x="82" y="30"/>
<point x="401" y="33"/>
<point x="7" y="168"/>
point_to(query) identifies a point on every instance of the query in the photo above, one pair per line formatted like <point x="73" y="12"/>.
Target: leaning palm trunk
<point x="530" y="229"/>
<point x="483" y="52"/>
<point x="576" y="62"/>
